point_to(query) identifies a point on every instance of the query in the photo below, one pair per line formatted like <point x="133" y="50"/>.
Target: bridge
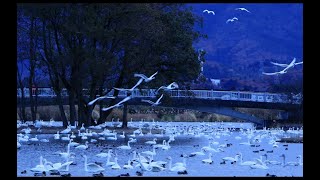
<point x="220" y="102"/>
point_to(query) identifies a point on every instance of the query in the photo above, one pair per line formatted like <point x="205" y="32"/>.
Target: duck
<point x="91" y="167"/>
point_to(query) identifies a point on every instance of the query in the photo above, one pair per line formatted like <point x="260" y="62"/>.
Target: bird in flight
<point x="231" y="20"/>
<point x="171" y="86"/>
<point x="293" y="63"/>
<point x="137" y="84"/>
<point x="286" y="67"/>
<point x="206" y="10"/>
<point x="99" y="98"/>
<point x="145" y="78"/>
<point x="243" y="9"/>
<point x="118" y="104"/>
<point x="153" y="103"/>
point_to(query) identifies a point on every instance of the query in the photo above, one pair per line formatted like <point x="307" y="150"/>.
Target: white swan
<point x="99" y="98"/>
<point x="153" y="103"/>
<point x="145" y="78"/>
<point x="73" y="144"/>
<point x="103" y="155"/>
<point x="154" y="141"/>
<point x="109" y="163"/>
<point x="122" y="135"/>
<point x="171" y="86"/>
<point x="137" y="84"/>
<point x="271" y="162"/>
<point x="209" y="160"/>
<point x="35" y="139"/>
<point x="56" y="136"/>
<point x="151" y="153"/>
<point x="129" y="165"/>
<point x="178" y="168"/>
<point x="259" y="166"/>
<point x="200" y="153"/>
<point x="116" y="165"/>
<point x="291" y="163"/>
<point x="66" y="138"/>
<point x="40" y="167"/>
<point x="114" y="138"/>
<point x="66" y="131"/>
<point x="245" y="163"/>
<point x="125" y="147"/>
<point x="72" y="135"/>
<point x="118" y="104"/>
<point x="83" y="147"/>
<point x="91" y="167"/>
<point x="232" y="159"/>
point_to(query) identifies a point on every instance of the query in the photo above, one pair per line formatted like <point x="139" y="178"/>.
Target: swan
<point x="109" y="163"/>
<point x="232" y="159"/>
<point x="171" y="86"/>
<point x="129" y="165"/>
<point x="145" y="78"/>
<point x="259" y="166"/>
<point x="83" y="147"/>
<point x="66" y="138"/>
<point x="246" y="163"/>
<point x="91" y="167"/>
<point x="114" y="138"/>
<point x="271" y="162"/>
<point x="153" y="103"/>
<point x="137" y="84"/>
<point x="151" y="153"/>
<point x="82" y="127"/>
<point x="125" y="147"/>
<point x="116" y="165"/>
<point x="99" y="98"/>
<point x="178" y="168"/>
<point x="291" y="163"/>
<point x="209" y="160"/>
<point x="35" y="139"/>
<point x="66" y="131"/>
<point x="154" y="166"/>
<point x="122" y="135"/>
<point x="160" y="145"/>
<point x="57" y="166"/>
<point x="103" y="155"/>
<point x="72" y="135"/>
<point x="151" y="142"/>
<point x="118" y="104"/>
<point x="200" y="153"/>
<point x="56" y="136"/>
<point x="73" y="143"/>
<point x="67" y="154"/>
<point x="40" y="167"/>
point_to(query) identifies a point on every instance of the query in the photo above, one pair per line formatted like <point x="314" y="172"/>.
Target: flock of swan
<point x="158" y="152"/>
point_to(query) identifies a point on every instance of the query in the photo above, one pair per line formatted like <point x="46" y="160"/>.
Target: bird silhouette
<point x="243" y="9"/>
<point x="231" y="20"/>
<point x="153" y="103"/>
<point x="206" y="10"/>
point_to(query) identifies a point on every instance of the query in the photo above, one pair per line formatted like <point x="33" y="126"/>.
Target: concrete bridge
<point x="220" y="102"/>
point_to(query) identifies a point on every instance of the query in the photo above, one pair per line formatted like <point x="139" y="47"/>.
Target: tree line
<point x="100" y="46"/>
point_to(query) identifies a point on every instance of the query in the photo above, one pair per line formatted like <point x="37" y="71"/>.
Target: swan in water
<point x="91" y="167"/>
<point x="72" y="135"/>
<point x="35" y="139"/>
<point x="66" y="138"/>
<point x="259" y="166"/>
<point x="103" y="155"/>
<point x="116" y="165"/>
<point x="209" y="160"/>
<point x="114" y="138"/>
<point x="153" y="103"/>
<point x="40" y="167"/>
<point x="145" y="78"/>
<point x="83" y="147"/>
<point x="179" y="167"/>
<point x="67" y="154"/>
<point x="291" y="163"/>
<point x="245" y="163"/>
<point x="232" y="159"/>
<point x="66" y="131"/>
<point x="200" y="153"/>
<point x="109" y="163"/>
<point x="73" y="144"/>
<point x="56" y="136"/>
<point x="129" y="165"/>
<point x="151" y="153"/>
<point x="57" y="166"/>
<point x="122" y="135"/>
<point x="271" y="162"/>
<point x="125" y="146"/>
<point x="151" y="142"/>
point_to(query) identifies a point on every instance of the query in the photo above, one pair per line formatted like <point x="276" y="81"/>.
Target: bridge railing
<point x="200" y="94"/>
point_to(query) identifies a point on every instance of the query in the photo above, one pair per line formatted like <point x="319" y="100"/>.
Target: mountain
<point x="241" y="50"/>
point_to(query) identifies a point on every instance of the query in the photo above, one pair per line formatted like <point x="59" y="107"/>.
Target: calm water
<point x="29" y="153"/>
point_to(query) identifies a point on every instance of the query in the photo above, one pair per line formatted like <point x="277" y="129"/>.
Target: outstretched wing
<point x="299" y="63"/>
<point x="124" y="100"/>
<point x="173" y="85"/>
<point x="137" y="84"/>
<point x="121" y="89"/>
<point x="107" y="108"/>
<point x="270" y="74"/>
<point x="278" y="64"/>
<point x="148" y="101"/>
<point x="229" y="20"/>
<point x="154" y="74"/>
<point x="159" y="99"/>
<point x="99" y="98"/>
<point x="161" y="87"/>
<point x="205" y="10"/>
<point x="141" y="76"/>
